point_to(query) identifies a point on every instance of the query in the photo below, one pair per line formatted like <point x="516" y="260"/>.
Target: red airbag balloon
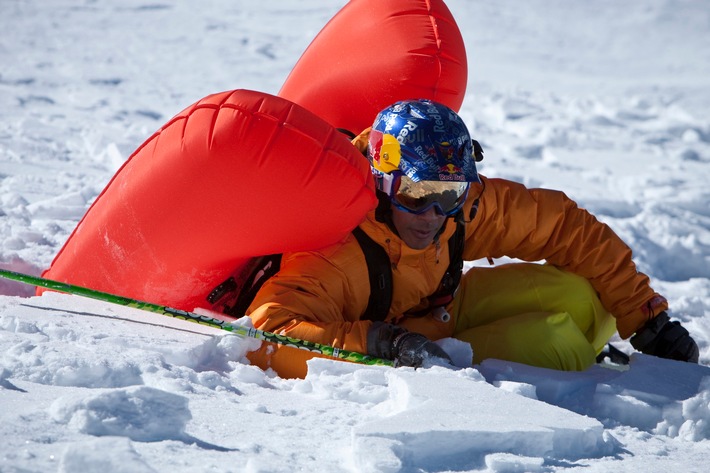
<point x="376" y="52"/>
<point x="236" y="175"/>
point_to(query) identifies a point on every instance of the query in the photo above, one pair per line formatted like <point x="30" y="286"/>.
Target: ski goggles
<point x="446" y="197"/>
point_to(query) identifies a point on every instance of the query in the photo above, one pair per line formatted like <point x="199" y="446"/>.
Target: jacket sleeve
<point x="541" y="224"/>
<point x="313" y="298"/>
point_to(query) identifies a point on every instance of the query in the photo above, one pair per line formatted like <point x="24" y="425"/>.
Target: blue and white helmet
<point x="414" y="145"/>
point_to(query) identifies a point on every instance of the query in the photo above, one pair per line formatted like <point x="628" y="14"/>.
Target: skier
<point x="435" y="211"/>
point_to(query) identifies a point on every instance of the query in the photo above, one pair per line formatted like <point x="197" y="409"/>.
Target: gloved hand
<point x="405" y="348"/>
<point x="665" y="339"/>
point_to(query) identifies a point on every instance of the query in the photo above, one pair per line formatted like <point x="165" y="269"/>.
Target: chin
<point x="417" y="244"/>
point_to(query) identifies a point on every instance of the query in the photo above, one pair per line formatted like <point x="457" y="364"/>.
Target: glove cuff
<point x="649" y="332"/>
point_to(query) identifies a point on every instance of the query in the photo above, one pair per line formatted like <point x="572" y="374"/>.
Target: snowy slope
<point x="604" y="100"/>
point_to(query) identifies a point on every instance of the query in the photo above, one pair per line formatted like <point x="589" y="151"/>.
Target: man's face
<point x="417" y="230"/>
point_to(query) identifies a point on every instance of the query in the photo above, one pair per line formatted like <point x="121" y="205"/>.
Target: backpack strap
<point x="452" y="278"/>
<point x="379" y="270"/>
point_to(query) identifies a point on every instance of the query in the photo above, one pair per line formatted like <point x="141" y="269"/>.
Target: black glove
<point x="405" y="348"/>
<point x="665" y="339"/>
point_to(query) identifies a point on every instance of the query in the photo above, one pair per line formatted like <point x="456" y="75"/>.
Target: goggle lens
<point x="447" y="197"/>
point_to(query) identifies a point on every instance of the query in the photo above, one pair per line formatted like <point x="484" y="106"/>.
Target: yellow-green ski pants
<point x="533" y="314"/>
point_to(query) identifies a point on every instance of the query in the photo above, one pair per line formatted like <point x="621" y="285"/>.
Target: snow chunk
<point x="461" y="353"/>
<point x="139" y="413"/>
<point x="660" y="396"/>
<point x="454" y="418"/>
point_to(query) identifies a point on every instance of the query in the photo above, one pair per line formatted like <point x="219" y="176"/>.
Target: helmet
<point x="422" y="155"/>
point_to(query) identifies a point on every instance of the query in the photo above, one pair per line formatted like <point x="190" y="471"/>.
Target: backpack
<point x="235" y="295"/>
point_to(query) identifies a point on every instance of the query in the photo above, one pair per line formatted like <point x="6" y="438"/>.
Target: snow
<point x="604" y="100"/>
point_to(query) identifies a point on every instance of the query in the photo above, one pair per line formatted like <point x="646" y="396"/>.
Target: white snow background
<point x="605" y="100"/>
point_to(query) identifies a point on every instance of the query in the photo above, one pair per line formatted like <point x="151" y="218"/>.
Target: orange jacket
<point x="319" y="296"/>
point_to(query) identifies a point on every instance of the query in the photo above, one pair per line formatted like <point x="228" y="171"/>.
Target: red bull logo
<point x="447" y="150"/>
<point x="450" y="172"/>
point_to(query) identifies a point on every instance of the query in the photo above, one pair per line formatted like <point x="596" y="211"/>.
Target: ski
<point x="249" y="332"/>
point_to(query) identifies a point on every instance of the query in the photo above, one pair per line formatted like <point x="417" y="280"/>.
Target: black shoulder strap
<point x="380" y="271"/>
<point x="456" y="246"/>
